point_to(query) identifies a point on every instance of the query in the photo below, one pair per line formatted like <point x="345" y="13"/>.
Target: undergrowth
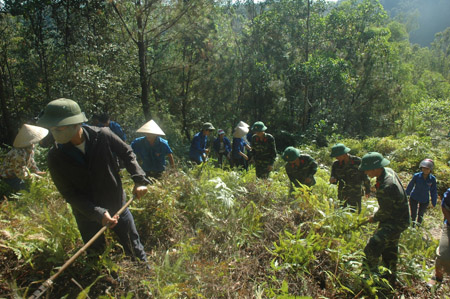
<point x="214" y="233"/>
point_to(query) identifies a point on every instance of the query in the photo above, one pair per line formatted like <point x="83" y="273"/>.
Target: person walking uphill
<point x="198" y="151"/>
<point x="263" y="149"/>
<point x="420" y="188"/>
<point x="83" y="167"/>
<point x="222" y="147"/>
<point x="349" y="178"/>
<point x="240" y="159"/>
<point x="300" y="168"/>
<point x="152" y="150"/>
<point x="392" y="215"/>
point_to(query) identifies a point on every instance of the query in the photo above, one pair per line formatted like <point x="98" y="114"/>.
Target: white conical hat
<point x="29" y="135"/>
<point x="242" y="124"/>
<point x="240" y="132"/>
<point x="151" y="128"/>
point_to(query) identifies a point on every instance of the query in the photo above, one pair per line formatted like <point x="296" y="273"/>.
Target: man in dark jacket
<point x="83" y="167"/>
<point x="392" y="215"/>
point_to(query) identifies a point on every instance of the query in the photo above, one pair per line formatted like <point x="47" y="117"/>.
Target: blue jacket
<point x="226" y="142"/>
<point x="198" y="147"/>
<point x="153" y="157"/>
<point x="446" y="203"/>
<point x="420" y="189"/>
<point x="238" y="146"/>
<point x="116" y="128"/>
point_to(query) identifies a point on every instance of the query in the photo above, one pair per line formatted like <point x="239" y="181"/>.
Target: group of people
<point x="83" y="165"/>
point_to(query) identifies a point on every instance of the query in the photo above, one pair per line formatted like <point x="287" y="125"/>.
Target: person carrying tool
<point x="392" y="215"/>
<point x="349" y="178"/>
<point x="152" y="149"/>
<point x="83" y="167"/>
<point x="198" y="151"/>
<point x="264" y="150"/>
<point x="421" y="187"/>
<point x="240" y="159"/>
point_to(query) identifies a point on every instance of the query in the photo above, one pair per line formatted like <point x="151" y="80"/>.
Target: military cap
<point x="258" y="127"/>
<point x="290" y="154"/>
<point x="61" y="112"/>
<point x="373" y="160"/>
<point x="339" y="149"/>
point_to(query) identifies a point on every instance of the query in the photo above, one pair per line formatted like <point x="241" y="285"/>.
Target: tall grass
<point x="214" y="233"/>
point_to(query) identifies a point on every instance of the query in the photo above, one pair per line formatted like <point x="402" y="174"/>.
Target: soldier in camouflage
<point x="392" y="215"/>
<point x="349" y="178"/>
<point x="263" y="149"/>
<point x="300" y="168"/>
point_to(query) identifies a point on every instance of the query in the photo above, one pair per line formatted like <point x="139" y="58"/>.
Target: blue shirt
<point x="153" y="156"/>
<point x="420" y="188"/>
<point x="198" y="147"/>
<point x="116" y="128"/>
<point x="446" y="202"/>
<point x="238" y="146"/>
<point x="226" y="143"/>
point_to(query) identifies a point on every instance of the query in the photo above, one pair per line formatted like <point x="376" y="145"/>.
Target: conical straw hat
<point x="242" y="124"/>
<point x="29" y="135"/>
<point x="240" y="132"/>
<point x="151" y="128"/>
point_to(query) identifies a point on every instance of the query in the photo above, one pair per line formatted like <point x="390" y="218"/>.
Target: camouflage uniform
<point x="264" y="153"/>
<point x="393" y="218"/>
<point x="298" y="174"/>
<point x="350" y="180"/>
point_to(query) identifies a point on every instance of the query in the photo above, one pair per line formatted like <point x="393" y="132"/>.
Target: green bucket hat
<point x="61" y="112"/>
<point x="258" y="127"/>
<point x="339" y="149"/>
<point x="373" y="160"/>
<point x="208" y="126"/>
<point x="290" y="154"/>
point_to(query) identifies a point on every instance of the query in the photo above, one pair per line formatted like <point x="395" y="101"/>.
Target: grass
<point x="213" y="233"/>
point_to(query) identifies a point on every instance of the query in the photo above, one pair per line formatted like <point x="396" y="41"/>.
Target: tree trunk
<point x="306" y="105"/>
<point x="143" y="75"/>
<point x="8" y="131"/>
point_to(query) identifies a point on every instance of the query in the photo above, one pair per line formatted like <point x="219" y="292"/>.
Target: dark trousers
<point x="417" y="216"/>
<point x="17" y="184"/>
<point x="220" y="157"/>
<point x="383" y="243"/>
<point x="154" y="174"/>
<point x="125" y="230"/>
<point x="240" y="162"/>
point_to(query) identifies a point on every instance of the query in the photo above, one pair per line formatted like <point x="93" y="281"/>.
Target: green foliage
<point x="210" y="232"/>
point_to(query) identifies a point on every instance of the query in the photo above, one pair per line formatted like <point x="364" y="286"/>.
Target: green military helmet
<point x="258" y="127"/>
<point x="290" y="154"/>
<point x="373" y="160"/>
<point x="338" y="150"/>
<point x="61" y="112"/>
<point x="208" y="126"/>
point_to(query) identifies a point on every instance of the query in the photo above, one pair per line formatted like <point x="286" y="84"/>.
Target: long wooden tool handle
<point x="48" y="283"/>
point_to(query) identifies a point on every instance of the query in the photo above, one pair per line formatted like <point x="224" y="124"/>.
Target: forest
<point x="315" y="72"/>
